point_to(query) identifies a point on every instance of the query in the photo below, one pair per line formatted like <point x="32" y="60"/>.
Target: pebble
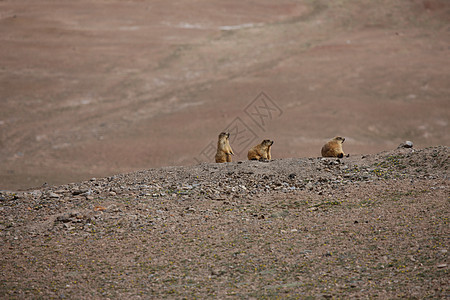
<point x="406" y="144"/>
<point x="54" y="195"/>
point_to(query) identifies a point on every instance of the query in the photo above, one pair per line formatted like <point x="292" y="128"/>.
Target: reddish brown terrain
<point x="96" y="88"/>
<point x="109" y="117"/>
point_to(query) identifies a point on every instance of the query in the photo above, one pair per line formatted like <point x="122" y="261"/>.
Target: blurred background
<point x="96" y="88"/>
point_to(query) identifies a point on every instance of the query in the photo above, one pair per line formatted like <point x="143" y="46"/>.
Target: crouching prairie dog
<point x="224" y="150"/>
<point x="261" y="151"/>
<point x="333" y="148"/>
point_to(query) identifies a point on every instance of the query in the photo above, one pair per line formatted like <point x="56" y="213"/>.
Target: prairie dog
<point x="224" y="150"/>
<point x="261" y="151"/>
<point x="333" y="148"/>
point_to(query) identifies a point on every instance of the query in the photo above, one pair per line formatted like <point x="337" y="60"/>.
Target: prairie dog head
<point x="267" y="143"/>
<point x="339" y="139"/>
<point x="223" y="136"/>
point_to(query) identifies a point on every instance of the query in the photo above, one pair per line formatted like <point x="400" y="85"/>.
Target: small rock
<point x="68" y="217"/>
<point x="69" y="227"/>
<point x="441" y="266"/>
<point x="407" y="144"/>
<point x="54" y="195"/>
<point x="78" y="191"/>
<point x="36" y="193"/>
<point x="217" y="272"/>
<point x="99" y="208"/>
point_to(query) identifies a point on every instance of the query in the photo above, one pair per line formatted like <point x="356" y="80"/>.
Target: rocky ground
<point x="373" y="226"/>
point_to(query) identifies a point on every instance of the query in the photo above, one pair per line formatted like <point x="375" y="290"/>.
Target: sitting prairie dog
<point x="333" y="148"/>
<point x="224" y="150"/>
<point x="261" y="151"/>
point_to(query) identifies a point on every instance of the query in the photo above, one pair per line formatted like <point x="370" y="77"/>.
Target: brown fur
<point x="334" y="148"/>
<point x="261" y="151"/>
<point x="224" y="150"/>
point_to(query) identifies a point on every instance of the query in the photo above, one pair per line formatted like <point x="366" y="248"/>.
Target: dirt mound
<point x="374" y="225"/>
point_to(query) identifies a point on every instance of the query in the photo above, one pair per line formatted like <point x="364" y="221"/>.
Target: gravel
<point x="367" y="225"/>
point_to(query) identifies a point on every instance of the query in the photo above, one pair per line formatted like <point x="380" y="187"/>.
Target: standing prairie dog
<point x="333" y="148"/>
<point x="224" y="150"/>
<point x="261" y="151"/>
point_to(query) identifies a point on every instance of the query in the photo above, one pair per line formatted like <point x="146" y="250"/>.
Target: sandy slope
<point x="95" y="88"/>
